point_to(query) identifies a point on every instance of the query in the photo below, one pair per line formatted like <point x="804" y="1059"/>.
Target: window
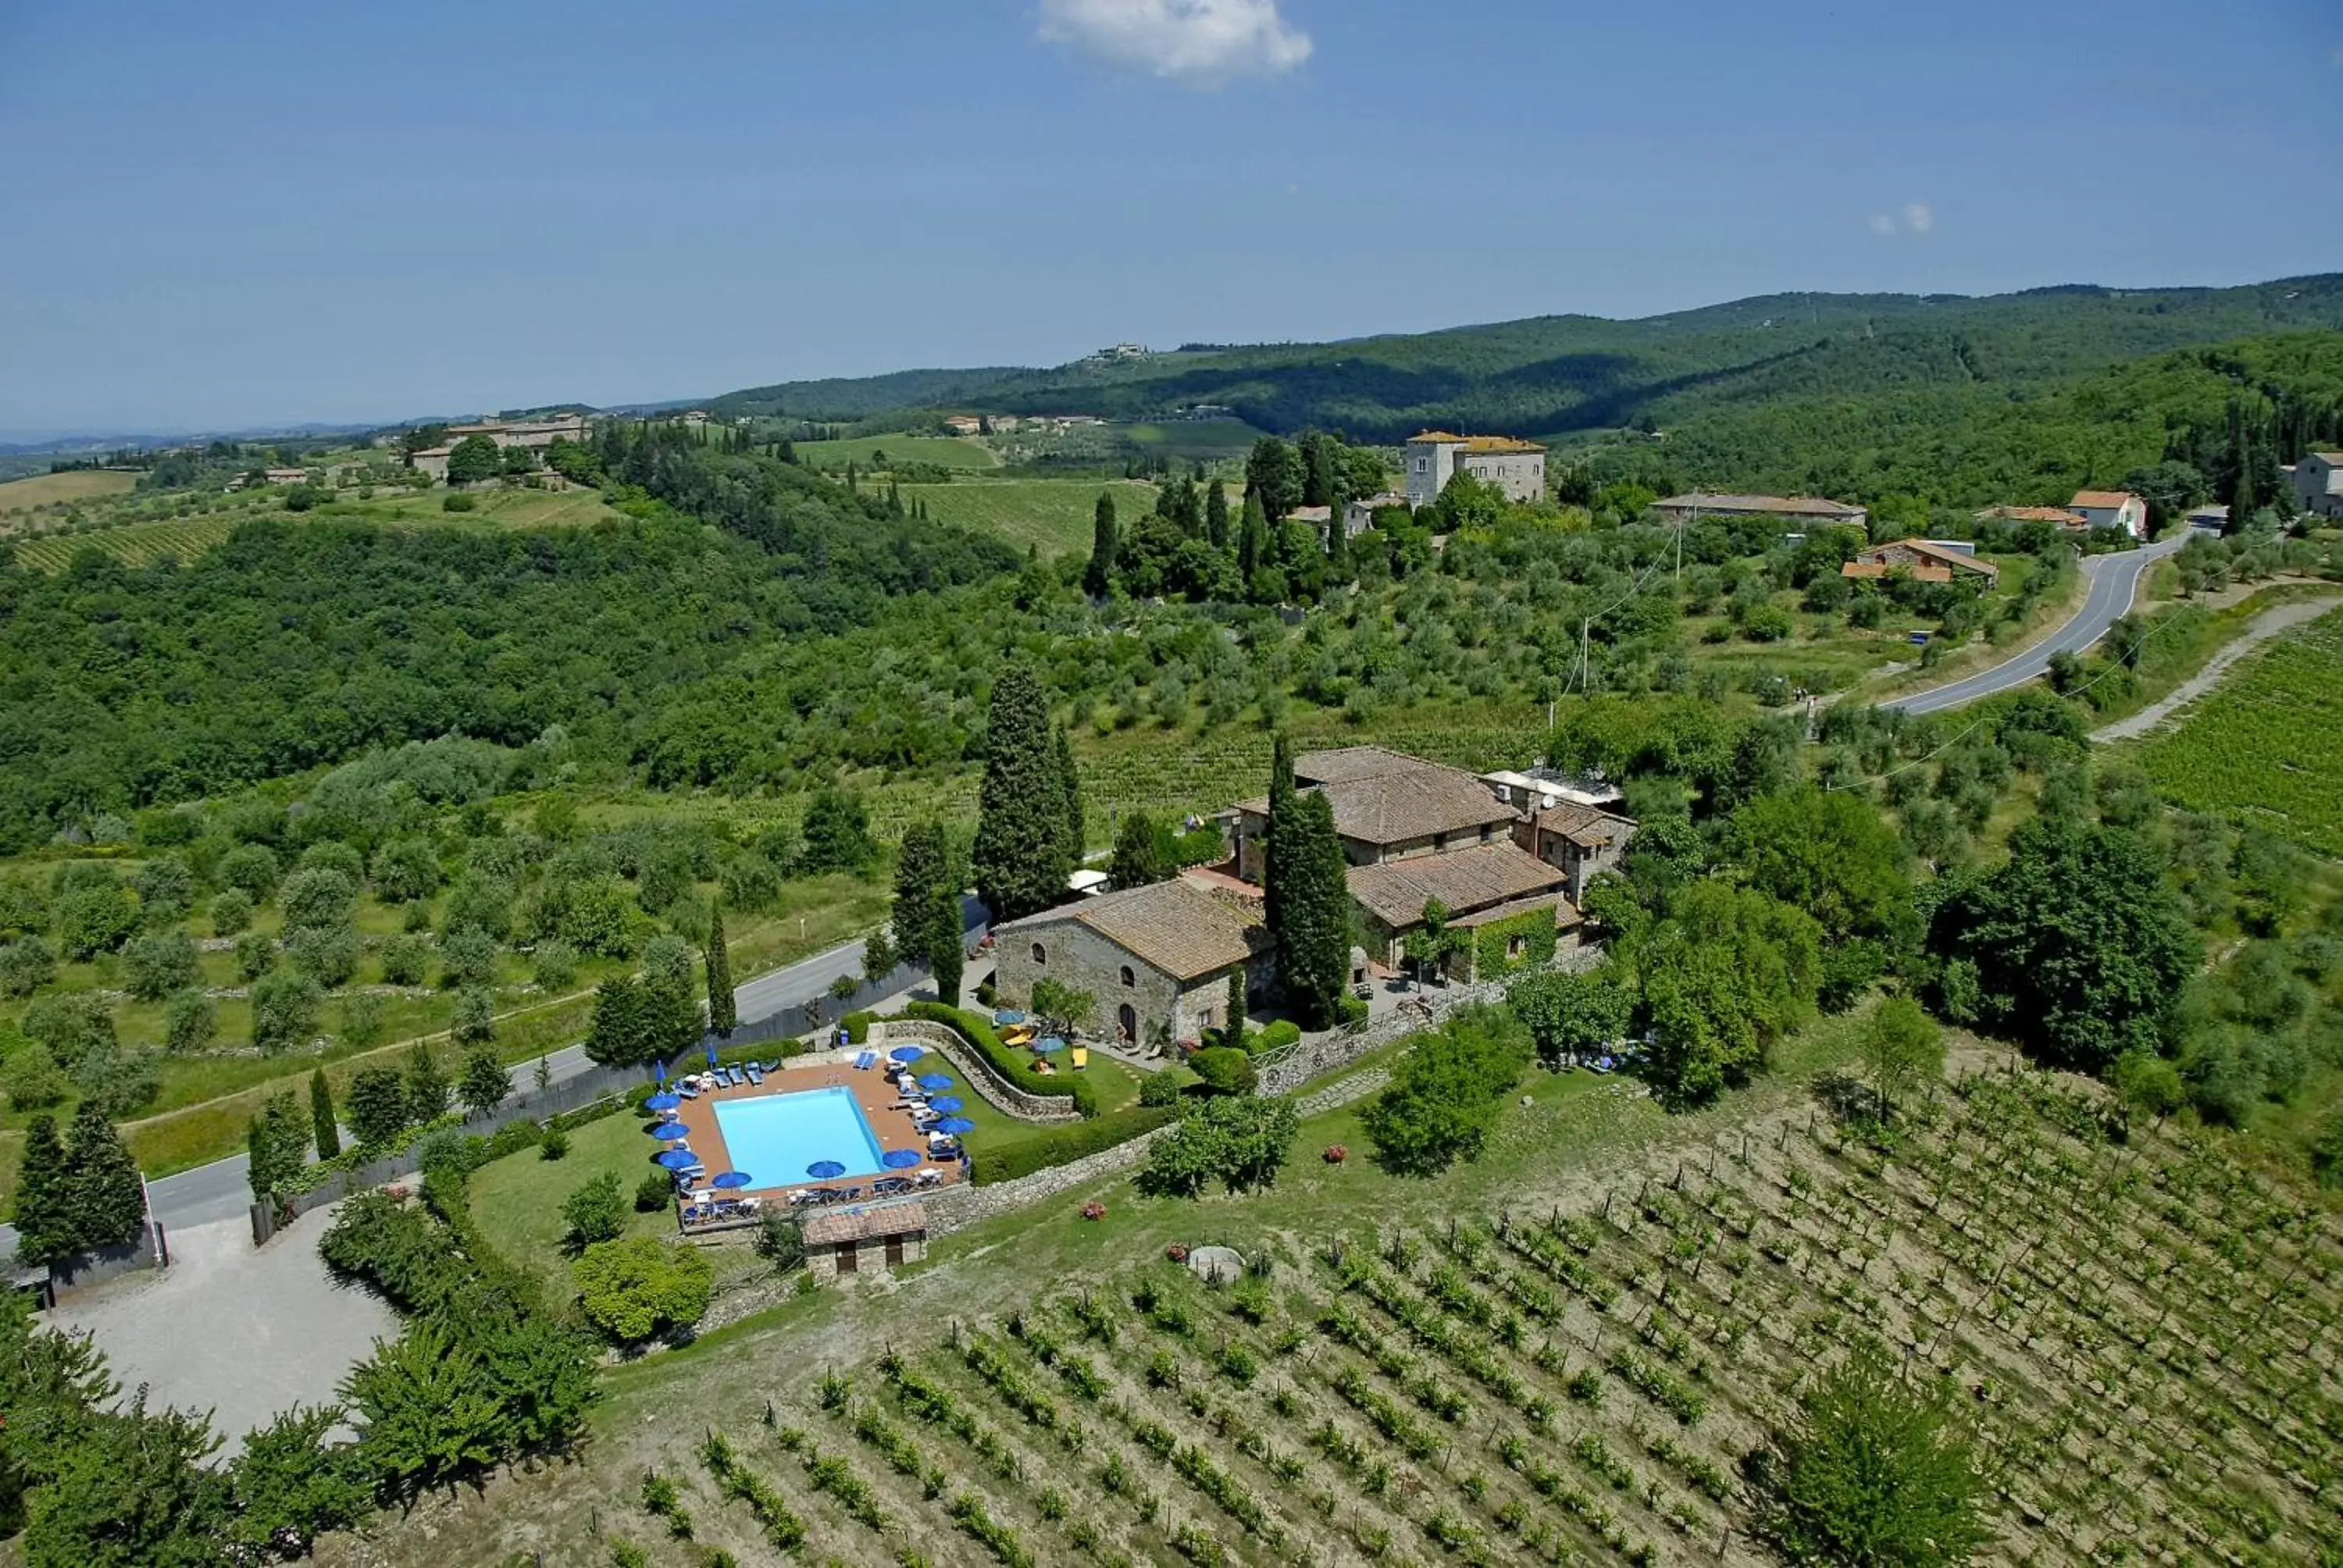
<point x="1128" y="978"/>
<point x="1516" y="946"/>
<point x="1039" y="956"/>
<point x="1485" y="830"/>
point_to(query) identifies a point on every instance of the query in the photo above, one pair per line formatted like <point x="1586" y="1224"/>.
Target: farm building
<point x="2119" y="510"/>
<point x="1516" y="467"/>
<point x="1922" y="560"/>
<point x="1358" y="516"/>
<point x="1800" y="509"/>
<point x="865" y="1241"/>
<point x="2318" y="484"/>
<point x="1156" y="959"/>
<point x="2058" y="517"/>
<point x="431" y="460"/>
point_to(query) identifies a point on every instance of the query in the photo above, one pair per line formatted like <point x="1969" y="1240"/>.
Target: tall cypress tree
<point x="1105" y="543"/>
<point x="1070" y="787"/>
<point x="723" y="1012"/>
<point x="926" y="907"/>
<point x="1252" y="540"/>
<point x="1020" y="860"/>
<point x="109" y="1202"/>
<point x="1216" y="516"/>
<point x="1313" y="921"/>
<point x="322" y="1128"/>
<point x="46" y="1224"/>
<point x="1280" y="815"/>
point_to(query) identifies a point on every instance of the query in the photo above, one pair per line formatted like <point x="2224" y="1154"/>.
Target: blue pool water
<point x="775" y="1138"/>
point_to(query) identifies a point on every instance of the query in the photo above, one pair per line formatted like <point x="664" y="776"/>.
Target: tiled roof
<point x="1342" y="764"/>
<point x="1381" y="796"/>
<point x="1864" y="571"/>
<point x="2104" y="499"/>
<point x="1565" y="914"/>
<point x="1312" y="514"/>
<point x="1499" y="444"/>
<point x="828" y="1228"/>
<point x="1177" y="927"/>
<point x="1794" y="506"/>
<point x="1442" y="438"/>
<point x="1945" y="559"/>
<point x="2032" y="514"/>
<point x="1588" y="825"/>
<point x="1464" y="880"/>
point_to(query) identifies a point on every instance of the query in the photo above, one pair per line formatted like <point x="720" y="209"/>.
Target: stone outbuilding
<point x="864" y="1240"/>
<point x="1156" y="960"/>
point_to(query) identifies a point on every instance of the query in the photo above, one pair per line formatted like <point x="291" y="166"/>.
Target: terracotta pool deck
<point x="880" y="1104"/>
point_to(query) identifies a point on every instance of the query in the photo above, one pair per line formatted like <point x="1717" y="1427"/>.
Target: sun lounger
<point x="755" y="1076"/>
<point x="929" y="1179"/>
<point x="685" y="1091"/>
<point x="1081" y="1057"/>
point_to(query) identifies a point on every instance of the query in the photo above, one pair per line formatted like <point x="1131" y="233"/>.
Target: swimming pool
<point x="775" y="1138"/>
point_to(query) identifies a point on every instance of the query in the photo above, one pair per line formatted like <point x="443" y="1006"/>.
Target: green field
<point x="46" y="489"/>
<point x="133" y="544"/>
<point x="517" y="508"/>
<point x="1053" y="515"/>
<point x="2266" y="746"/>
<point x="943" y="451"/>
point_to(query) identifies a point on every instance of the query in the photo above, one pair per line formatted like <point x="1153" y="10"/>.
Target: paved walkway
<point x="2266" y="626"/>
<point x="244" y="1334"/>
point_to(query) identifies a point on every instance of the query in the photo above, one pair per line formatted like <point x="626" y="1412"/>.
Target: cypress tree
<point x="109" y="1201"/>
<point x="1021" y="861"/>
<point x="723" y="1012"/>
<point x="1280" y="815"/>
<point x="1105" y="543"/>
<point x="1313" y="928"/>
<point x="1252" y="540"/>
<point x="1216" y="516"/>
<point x="321" y="1117"/>
<point x="1069" y="786"/>
<point x="926" y="907"/>
<point x="1235" y="1032"/>
<point x="426" y="1086"/>
<point x="45" y="1220"/>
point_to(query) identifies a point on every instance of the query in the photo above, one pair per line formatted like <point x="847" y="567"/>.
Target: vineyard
<point x="133" y="544"/>
<point x="2267" y="746"/>
<point x="1053" y="516"/>
<point x="2144" y="1335"/>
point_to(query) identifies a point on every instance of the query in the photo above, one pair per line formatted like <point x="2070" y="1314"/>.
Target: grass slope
<point x="1051" y="515"/>
<point x="944" y="451"/>
<point x="76" y="484"/>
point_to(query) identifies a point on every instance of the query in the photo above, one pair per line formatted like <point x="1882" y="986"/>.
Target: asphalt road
<point x="209" y="1193"/>
<point x="2114" y="583"/>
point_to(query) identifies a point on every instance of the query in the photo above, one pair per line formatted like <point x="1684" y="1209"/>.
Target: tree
<point x="1098" y="576"/>
<point x="1874" y="1472"/>
<point x="276" y="1144"/>
<point x="836" y="836"/>
<point x="323" y="1129"/>
<point x="880" y="958"/>
<point x="1023" y="855"/>
<point x="1431" y="944"/>
<point x="1313" y="928"/>
<point x="1061" y="1007"/>
<point x="1446" y="1094"/>
<point x="1069" y="792"/>
<point x="475" y="1024"/>
<point x="1279" y="817"/>
<point x="292" y="1485"/>
<point x="285" y="1007"/>
<point x="1901" y="1046"/>
<point x="1571" y="1016"/>
<point x="1216" y="516"/>
<point x="1146" y="851"/>
<point x="1232" y="1032"/>
<point x="595" y="1213"/>
<point x="134" y="1491"/>
<point x="926" y="917"/>
<point x="377" y="1106"/>
<point x="634" y="1289"/>
<point x="1241" y="1140"/>
<point x="405" y="870"/>
<point x="483" y="1084"/>
<point x="1829" y="854"/>
<point x="723" y="1009"/>
<point x="189" y="1023"/>
<point x="622" y="1032"/>
<point x="1724" y="975"/>
<point x="1223" y="1069"/>
<point x="109" y="1201"/>
<point x="425" y="1407"/>
<point x="427" y="1085"/>
<point x="2082" y="947"/>
<point x="1275" y="476"/>
<point x="472" y="459"/>
<point x="158" y="963"/>
<point x="1253" y="542"/>
<point x="46" y="1224"/>
<point x="314" y="895"/>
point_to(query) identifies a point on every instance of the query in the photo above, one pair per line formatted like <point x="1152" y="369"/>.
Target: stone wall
<point x="946" y="1041"/>
<point x="959" y="1207"/>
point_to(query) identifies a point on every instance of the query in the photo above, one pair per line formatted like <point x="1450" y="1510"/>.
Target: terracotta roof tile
<point x="2105" y="499"/>
<point x="829" y="1228"/>
<point x="1464" y="880"/>
<point x="1791" y="505"/>
<point x="1177" y="927"/>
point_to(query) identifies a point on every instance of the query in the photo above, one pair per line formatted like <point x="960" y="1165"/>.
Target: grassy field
<point x="1559" y="1354"/>
<point x="1052" y="515"/>
<point x="2266" y="746"/>
<point x="518" y="509"/>
<point x="865" y="451"/>
<point x="48" y="489"/>
<point x="133" y="544"/>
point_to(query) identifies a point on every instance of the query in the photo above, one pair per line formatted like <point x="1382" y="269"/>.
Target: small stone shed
<point x="865" y="1241"/>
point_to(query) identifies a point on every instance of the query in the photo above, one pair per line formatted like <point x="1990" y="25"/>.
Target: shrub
<point x="1275" y="1037"/>
<point x="1064" y="1145"/>
<point x="595" y="1213"/>
<point x="316" y="896"/>
<point x="25" y="966"/>
<point x="857" y="1026"/>
<point x="457" y="503"/>
<point x="405" y="957"/>
<point x="635" y="1289"/>
<point x="284" y="1006"/>
<point x="231" y="912"/>
<point x="1014" y="1066"/>
<point x="189" y="1023"/>
<point x="255" y="954"/>
<point x="251" y="869"/>
<point x="654" y="1192"/>
<point x="1159" y="1088"/>
<point x="1223" y="1069"/>
<point x="554" y="1145"/>
<point x="555" y="965"/>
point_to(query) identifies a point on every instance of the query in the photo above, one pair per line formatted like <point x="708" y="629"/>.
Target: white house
<point x="2318" y="484"/>
<point x="2111" y="510"/>
<point x="1516" y="468"/>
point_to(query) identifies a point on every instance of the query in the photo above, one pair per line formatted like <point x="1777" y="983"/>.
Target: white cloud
<point x="1196" y="43"/>
<point x="1918" y="218"/>
<point x="1883" y="223"/>
<point x="1913" y="217"/>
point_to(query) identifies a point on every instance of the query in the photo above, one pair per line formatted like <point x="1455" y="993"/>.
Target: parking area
<point x="246" y="1334"/>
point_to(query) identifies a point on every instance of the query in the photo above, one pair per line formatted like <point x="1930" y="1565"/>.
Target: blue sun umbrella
<point x="732" y="1179"/>
<point x="660" y="1068"/>
<point x="823" y="1169"/>
<point x="899" y="1159"/>
<point x="711" y="1056"/>
<point x="1049" y="1043"/>
<point x="677" y="1159"/>
<point x="669" y="1132"/>
<point x="935" y="1080"/>
<point x="1008" y="1015"/>
<point x="907" y="1053"/>
<point x="662" y="1102"/>
<point x="955" y="1125"/>
<point x="945" y="1103"/>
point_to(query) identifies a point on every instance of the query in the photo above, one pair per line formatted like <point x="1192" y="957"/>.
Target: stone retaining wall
<point x="1049" y="1110"/>
<point x="1358" y="1086"/>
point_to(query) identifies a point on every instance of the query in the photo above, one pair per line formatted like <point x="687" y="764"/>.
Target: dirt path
<point x="2266" y="626"/>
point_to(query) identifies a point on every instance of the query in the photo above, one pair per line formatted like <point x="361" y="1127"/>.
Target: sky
<point x="243" y="214"/>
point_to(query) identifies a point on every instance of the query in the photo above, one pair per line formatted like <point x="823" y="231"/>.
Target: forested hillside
<point x="1552" y="375"/>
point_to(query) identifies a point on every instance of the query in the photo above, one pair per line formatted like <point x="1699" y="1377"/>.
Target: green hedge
<point x="857" y="1027"/>
<point x="1064" y="1145"/>
<point x="1276" y="1037"/>
<point x="1014" y="1066"/>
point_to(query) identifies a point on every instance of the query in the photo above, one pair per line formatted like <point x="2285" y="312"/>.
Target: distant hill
<point x="1558" y="375"/>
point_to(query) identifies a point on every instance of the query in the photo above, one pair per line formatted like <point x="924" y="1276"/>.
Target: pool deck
<point x="880" y="1105"/>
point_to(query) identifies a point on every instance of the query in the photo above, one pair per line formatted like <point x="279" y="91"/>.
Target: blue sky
<point x="237" y="213"/>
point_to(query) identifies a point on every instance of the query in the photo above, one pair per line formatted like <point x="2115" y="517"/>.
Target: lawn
<point x="76" y="484"/>
<point x="518" y="1199"/>
<point x="875" y="452"/>
<point x="513" y="509"/>
<point x="1052" y="515"/>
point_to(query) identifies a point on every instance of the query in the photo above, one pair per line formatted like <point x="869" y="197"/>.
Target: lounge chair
<point x="1080" y="1055"/>
<point x="887" y="1186"/>
<point x="929" y="1179"/>
<point x="685" y="1091"/>
<point x="755" y="1076"/>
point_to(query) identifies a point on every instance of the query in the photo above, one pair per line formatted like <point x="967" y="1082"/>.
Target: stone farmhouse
<point x="1157" y="959"/>
<point x="2119" y="510"/>
<point x="865" y="1241"/>
<point x="1358" y="516"/>
<point x="1922" y="560"/>
<point x="1516" y="468"/>
<point x="2057" y="517"/>
<point x="535" y="433"/>
<point x="2318" y="484"/>
<point x="1802" y="511"/>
